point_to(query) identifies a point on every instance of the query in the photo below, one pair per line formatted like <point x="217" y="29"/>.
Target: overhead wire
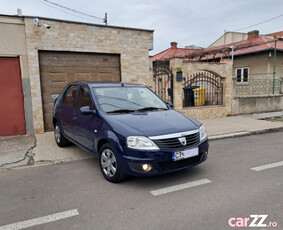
<point x="268" y="20"/>
<point x="46" y="2"/>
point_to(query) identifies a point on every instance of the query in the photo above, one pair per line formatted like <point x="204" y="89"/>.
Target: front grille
<point x="174" y="143"/>
<point x="170" y="165"/>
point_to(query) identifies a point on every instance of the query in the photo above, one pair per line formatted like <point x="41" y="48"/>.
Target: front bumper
<point x="161" y="160"/>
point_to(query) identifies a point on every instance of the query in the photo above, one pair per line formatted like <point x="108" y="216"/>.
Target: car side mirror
<point x="87" y="111"/>
<point x="169" y="104"/>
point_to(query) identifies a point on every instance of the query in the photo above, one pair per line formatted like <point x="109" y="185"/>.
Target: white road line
<point x="180" y="187"/>
<point x="269" y="166"/>
<point x="41" y="220"/>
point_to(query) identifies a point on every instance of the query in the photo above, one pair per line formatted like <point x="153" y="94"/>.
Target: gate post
<point x="177" y="85"/>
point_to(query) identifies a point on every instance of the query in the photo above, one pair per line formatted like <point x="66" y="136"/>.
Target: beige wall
<point x="228" y="38"/>
<point x="223" y="69"/>
<point x="13" y="44"/>
<point x="132" y="45"/>
<point x="260" y="64"/>
<point x="13" y="41"/>
<point x="12" y="31"/>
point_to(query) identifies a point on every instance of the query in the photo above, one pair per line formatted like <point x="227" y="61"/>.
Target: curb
<point x="244" y="133"/>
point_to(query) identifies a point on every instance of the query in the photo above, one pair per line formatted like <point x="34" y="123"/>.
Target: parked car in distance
<point x="129" y="128"/>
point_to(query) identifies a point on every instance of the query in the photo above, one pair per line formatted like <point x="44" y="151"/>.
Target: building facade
<point x="52" y="53"/>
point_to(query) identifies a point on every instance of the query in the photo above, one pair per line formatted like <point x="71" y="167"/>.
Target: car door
<point x="86" y="125"/>
<point x="66" y="111"/>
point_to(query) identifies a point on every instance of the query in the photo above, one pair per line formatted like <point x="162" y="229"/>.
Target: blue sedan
<point x="129" y="128"/>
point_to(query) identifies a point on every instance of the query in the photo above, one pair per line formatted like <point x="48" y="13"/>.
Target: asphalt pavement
<point x="240" y="181"/>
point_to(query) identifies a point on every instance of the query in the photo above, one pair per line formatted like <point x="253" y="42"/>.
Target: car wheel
<point x="110" y="164"/>
<point x="59" y="137"/>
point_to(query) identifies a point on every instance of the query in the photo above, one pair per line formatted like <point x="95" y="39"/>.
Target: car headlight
<point x="141" y="143"/>
<point x="202" y="133"/>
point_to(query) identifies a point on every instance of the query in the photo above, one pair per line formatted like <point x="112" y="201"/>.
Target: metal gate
<point x="163" y="80"/>
<point x="202" y="89"/>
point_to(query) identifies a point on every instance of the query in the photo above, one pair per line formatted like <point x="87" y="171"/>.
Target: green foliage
<point x="178" y="69"/>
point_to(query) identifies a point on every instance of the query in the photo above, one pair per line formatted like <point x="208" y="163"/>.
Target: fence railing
<point x="258" y="86"/>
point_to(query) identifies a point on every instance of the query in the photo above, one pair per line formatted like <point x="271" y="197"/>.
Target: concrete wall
<point x="132" y="45"/>
<point x="257" y="104"/>
<point x="223" y="69"/>
<point x="13" y="44"/>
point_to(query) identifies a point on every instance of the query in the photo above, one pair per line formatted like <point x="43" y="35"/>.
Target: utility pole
<point x="105" y="19"/>
<point x="274" y="65"/>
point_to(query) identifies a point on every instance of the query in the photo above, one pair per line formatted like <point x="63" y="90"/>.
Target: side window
<point x="245" y="74"/>
<point x="70" y="96"/>
<point x="84" y="98"/>
<point x="239" y="75"/>
<point x="242" y="75"/>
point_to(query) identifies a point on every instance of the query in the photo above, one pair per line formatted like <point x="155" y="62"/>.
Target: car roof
<point x="108" y="84"/>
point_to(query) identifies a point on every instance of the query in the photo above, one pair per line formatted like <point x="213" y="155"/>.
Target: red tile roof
<point x="172" y="52"/>
<point x="251" y="45"/>
<point x="278" y="34"/>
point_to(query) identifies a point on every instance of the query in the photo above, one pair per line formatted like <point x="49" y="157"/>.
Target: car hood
<point x="152" y="123"/>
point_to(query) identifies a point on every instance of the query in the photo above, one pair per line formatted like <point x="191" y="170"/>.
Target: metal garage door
<point x="12" y="117"/>
<point x="59" y="68"/>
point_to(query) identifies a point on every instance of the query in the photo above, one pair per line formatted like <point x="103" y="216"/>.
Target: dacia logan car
<point x="129" y="128"/>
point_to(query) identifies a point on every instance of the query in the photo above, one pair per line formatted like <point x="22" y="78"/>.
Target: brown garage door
<point x="12" y="116"/>
<point x="57" y="69"/>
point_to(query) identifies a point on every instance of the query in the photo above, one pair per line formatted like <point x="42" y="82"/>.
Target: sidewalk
<point x="235" y="126"/>
<point x="41" y="149"/>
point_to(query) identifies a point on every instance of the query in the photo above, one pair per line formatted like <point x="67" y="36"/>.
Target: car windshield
<point x="127" y="99"/>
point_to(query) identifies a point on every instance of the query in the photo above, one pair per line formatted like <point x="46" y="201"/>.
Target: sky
<point x="187" y="22"/>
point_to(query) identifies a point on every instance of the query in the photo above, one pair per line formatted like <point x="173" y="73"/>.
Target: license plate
<point x="176" y="156"/>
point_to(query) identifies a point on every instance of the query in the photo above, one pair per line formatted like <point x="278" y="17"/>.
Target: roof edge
<point x="76" y="22"/>
<point x="248" y="53"/>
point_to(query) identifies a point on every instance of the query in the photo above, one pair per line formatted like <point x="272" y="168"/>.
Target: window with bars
<point x="242" y="75"/>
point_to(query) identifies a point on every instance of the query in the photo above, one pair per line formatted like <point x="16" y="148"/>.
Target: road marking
<point x="180" y="187"/>
<point x="41" y="220"/>
<point x="269" y="166"/>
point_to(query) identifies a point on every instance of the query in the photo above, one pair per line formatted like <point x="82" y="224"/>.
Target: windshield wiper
<point x="151" y="108"/>
<point x="122" y="111"/>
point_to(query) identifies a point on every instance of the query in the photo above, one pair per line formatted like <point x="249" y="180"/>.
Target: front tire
<point x="61" y="141"/>
<point x="110" y="164"/>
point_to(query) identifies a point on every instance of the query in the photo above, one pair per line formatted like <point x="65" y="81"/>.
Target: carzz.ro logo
<point x="252" y="221"/>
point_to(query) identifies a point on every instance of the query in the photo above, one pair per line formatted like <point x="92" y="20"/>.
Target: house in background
<point x="232" y="37"/>
<point x="238" y="78"/>
<point x="229" y="37"/>
<point x="39" y="56"/>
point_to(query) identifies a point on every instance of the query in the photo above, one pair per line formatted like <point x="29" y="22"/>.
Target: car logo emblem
<point x="183" y="140"/>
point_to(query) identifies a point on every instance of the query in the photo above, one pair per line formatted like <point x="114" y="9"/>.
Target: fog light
<point x="206" y="152"/>
<point x="146" y="167"/>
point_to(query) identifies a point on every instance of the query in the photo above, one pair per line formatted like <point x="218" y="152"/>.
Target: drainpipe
<point x="274" y="65"/>
<point x="232" y="47"/>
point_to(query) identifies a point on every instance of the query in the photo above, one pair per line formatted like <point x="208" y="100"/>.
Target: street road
<point x="242" y="177"/>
